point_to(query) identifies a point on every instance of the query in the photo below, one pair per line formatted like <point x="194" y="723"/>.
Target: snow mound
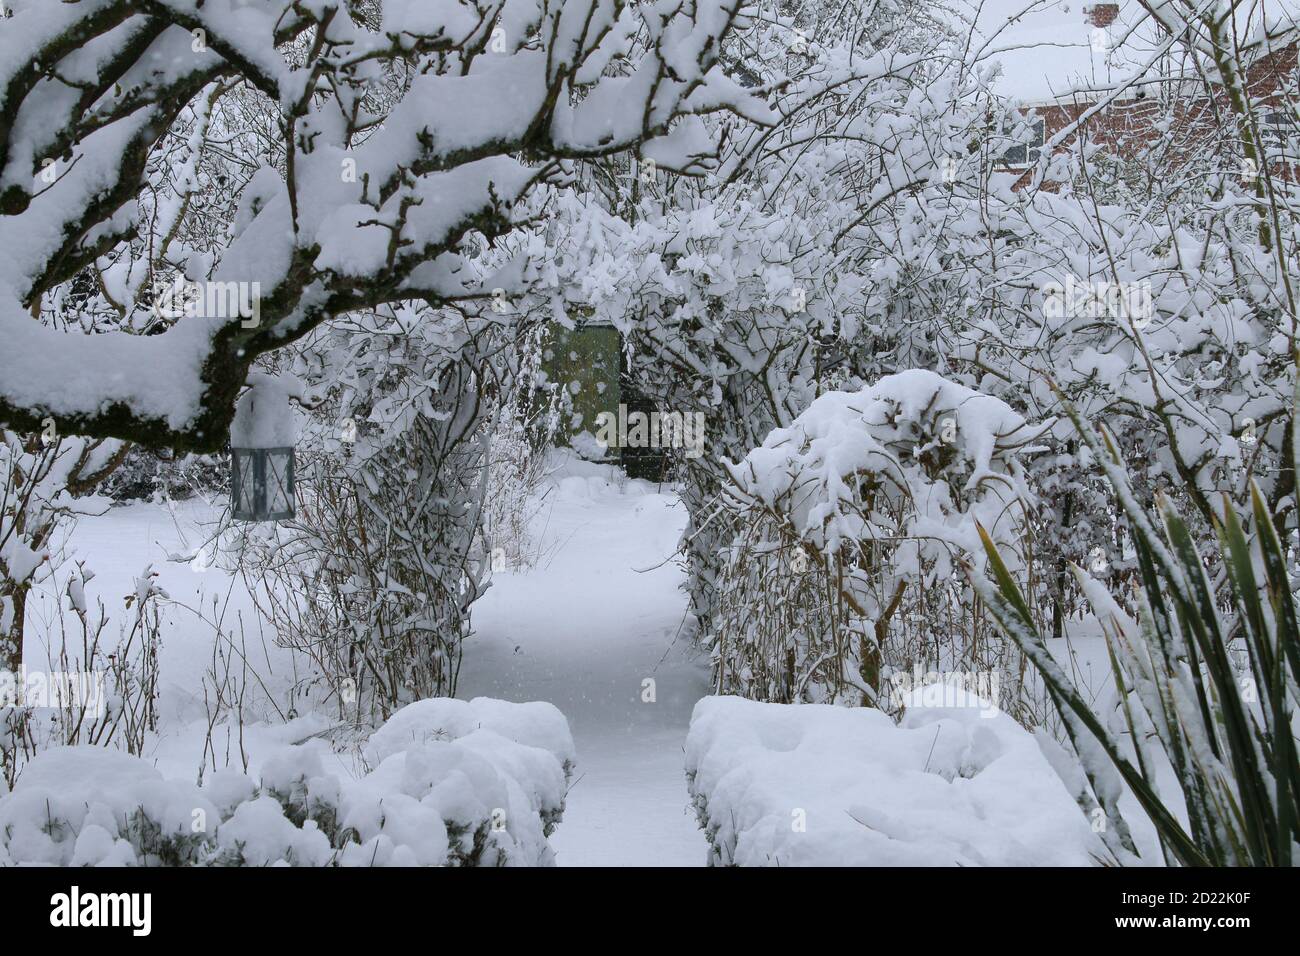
<point x="537" y="724"/>
<point x="453" y="783"/>
<point x="819" y="785"/>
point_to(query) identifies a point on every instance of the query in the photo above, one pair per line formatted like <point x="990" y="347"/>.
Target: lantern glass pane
<point x="246" y="503"/>
<point x="261" y="484"/>
<point x="278" y="498"/>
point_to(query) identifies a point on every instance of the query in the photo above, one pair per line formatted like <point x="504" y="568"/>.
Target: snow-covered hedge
<point x="477" y="783"/>
<point x="850" y="522"/>
<point x="814" y="784"/>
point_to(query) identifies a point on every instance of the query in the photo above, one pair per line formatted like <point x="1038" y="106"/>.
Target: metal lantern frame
<point x="262" y="483"/>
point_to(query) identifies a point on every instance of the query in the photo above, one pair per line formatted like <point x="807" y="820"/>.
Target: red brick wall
<point x="1128" y="128"/>
<point x="1101" y="14"/>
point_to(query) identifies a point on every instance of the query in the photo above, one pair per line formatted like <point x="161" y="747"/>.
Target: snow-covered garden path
<point x="585" y="631"/>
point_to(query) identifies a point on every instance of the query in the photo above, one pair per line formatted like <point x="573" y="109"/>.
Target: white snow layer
<point x="819" y="785"/>
<point x="453" y="783"/>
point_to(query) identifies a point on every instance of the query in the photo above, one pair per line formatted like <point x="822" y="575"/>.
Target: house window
<point x="1024" y="153"/>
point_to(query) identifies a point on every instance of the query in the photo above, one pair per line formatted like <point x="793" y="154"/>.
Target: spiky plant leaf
<point x="1235" y="763"/>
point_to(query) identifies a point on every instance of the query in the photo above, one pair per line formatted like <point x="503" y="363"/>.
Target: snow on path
<point x="584" y="631"/>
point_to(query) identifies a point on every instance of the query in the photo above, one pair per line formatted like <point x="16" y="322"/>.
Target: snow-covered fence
<point x="957" y="784"/>
<point x="849" y="523"/>
<point x="456" y="783"/>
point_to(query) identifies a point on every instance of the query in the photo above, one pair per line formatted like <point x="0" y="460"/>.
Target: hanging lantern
<point x="261" y="483"/>
<point x="262" y="438"/>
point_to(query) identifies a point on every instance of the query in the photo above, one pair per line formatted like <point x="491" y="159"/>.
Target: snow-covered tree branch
<point x="406" y="127"/>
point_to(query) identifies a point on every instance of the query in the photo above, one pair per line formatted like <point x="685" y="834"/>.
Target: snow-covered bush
<point x="375" y="576"/>
<point x="45" y="482"/>
<point x="91" y="689"/>
<point x="957" y="784"/>
<point x="849" y="525"/>
<point x="478" y="783"/>
<point x="527" y="421"/>
<point x="146" y="476"/>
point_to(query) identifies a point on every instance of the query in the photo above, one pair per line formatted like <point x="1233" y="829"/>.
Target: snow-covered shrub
<point x="849" y="525"/>
<point x="375" y="576"/>
<point x="526" y="423"/>
<point x="145" y="476"/>
<point x="45" y="482"/>
<point x="956" y="784"/>
<point x="478" y="783"/>
<point x="96" y="690"/>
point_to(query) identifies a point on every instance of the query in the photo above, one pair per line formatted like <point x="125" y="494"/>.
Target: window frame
<point x="1032" y="150"/>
